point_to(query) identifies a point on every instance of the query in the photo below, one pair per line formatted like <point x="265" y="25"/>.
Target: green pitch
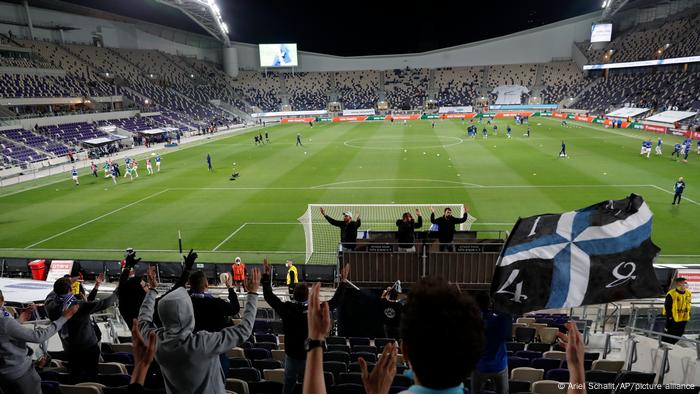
<point x="369" y="163"/>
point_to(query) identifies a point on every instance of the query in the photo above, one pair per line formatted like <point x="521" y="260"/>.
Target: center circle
<point x="398" y="143"/>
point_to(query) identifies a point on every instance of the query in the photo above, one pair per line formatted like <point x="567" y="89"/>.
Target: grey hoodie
<point x="13" y="345"/>
<point x="190" y="361"/>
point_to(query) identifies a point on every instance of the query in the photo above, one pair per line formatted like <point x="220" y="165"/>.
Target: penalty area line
<point x="96" y="219"/>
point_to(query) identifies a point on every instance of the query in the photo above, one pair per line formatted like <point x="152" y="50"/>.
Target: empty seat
<point x="350" y="377"/>
<point x="548" y="387"/>
<point x="265" y="387"/>
<point x="336" y="341"/>
<point x="516" y="362"/>
<point x="347" y="388"/>
<point x="75" y="389"/>
<point x="555" y="354"/>
<point x="238" y="386"/>
<point x="525" y="320"/>
<point x="381" y="342"/>
<point x="266" y="364"/>
<point x="525" y="334"/>
<point x="365" y="349"/>
<point x="548" y="334"/>
<point x="257" y="354"/>
<point x="358" y="341"/>
<point x="355" y="367"/>
<point x="335" y="367"/>
<point x="557" y="374"/>
<point x="518" y="386"/>
<point x="546" y="363"/>
<point x="608" y="365"/>
<point x="265" y="338"/>
<point x="246" y="374"/>
<point x="527" y="374"/>
<point x="114" y="380"/>
<point x="337" y="356"/>
<point x="266" y="345"/>
<point x="369" y="357"/>
<point x="338" y="348"/>
<point x="515" y="346"/>
<point x="235" y="353"/>
<point x="239" y="363"/>
<point x="602" y="377"/>
<point x="633" y="377"/>
<point x="276" y="375"/>
<point x="111" y="368"/>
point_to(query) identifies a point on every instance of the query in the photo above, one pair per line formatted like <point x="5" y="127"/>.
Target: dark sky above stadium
<point x="364" y="27"/>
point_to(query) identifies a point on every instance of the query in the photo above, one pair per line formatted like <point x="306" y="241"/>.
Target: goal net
<point x="322" y="238"/>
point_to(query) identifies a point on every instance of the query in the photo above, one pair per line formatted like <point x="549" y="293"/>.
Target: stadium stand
<point x="562" y="80"/>
<point x="357" y="89"/>
<point x="457" y="86"/>
<point x="307" y="91"/>
<point x="406" y="88"/>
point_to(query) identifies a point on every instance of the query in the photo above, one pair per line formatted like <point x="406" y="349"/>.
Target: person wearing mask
<point x="80" y="335"/>
<point x="493" y="364"/>
<point x="292" y="276"/>
<point x="293" y="314"/>
<point x="189" y="360"/>
<point x="238" y="269"/>
<point x="348" y="229"/>
<point x="446" y="227"/>
<point x="17" y="373"/>
<point x="406" y="231"/>
<point x="677" y="307"/>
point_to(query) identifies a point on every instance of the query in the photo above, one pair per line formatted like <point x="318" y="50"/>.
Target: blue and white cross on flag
<point x="593" y="255"/>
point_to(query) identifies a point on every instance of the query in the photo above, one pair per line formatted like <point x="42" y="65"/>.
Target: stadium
<point x="515" y="200"/>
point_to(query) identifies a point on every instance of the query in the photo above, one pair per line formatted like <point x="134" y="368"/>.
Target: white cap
<point x="238" y="259"/>
<point x="348" y="213"/>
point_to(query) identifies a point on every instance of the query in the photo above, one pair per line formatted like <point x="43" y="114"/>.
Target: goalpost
<point x="322" y="238"/>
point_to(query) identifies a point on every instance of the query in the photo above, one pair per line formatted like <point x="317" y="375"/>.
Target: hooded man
<point x="189" y="361"/>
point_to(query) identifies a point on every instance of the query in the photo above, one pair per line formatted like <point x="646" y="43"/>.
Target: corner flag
<point x="594" y="255"/>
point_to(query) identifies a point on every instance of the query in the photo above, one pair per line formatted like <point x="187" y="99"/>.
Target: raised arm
<point x="339" y="294"/>
<point x="432" y="218"/>
<point x="269" y="296"/>
<point x="220" y="342"/>
<point x="98" y="281"/>
<point x="15" y="330"/>
<point x="333" y="222"/>
<point x="419" y="223"/>
<point x="146" y="324"/>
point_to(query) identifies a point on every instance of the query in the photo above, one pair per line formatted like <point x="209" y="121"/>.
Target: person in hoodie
<point x="293" y="314"/>
<point x="79" y="336"/>
<point x="17" y="373"/>
<point x="189" y="361"/>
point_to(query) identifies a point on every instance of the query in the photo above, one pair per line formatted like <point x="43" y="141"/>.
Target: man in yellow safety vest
<point x="677" y="309"/>
<point x="292" y="276"/>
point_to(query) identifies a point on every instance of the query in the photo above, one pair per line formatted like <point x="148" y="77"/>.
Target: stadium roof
<point x="368" y="28"/>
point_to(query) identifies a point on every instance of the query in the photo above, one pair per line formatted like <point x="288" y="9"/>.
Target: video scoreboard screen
<point x="601" y="32"/>
<point x="278" y="55"/>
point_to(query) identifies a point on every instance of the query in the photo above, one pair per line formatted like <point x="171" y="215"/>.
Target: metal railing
<point x="665" y="364"/>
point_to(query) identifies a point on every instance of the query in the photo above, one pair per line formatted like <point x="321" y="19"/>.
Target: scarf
<point x="203" y="294"/>
<point x="4" y="312"/>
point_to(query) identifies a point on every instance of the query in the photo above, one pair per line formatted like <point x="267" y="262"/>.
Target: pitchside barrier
<point x="470" y="263"/>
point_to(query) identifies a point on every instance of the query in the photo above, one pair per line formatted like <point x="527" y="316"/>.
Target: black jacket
<point x="406" y="234"/>
<point x="81" y="334"/>
<point x="131" y="295"/>
<point x="348" y="231"/>
<point x="294" y="318"/>
<point x="214" y="314"/>
<point x="446" y="226"/>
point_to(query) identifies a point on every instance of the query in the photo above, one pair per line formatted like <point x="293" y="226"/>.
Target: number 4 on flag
<point x="517" y="294"/>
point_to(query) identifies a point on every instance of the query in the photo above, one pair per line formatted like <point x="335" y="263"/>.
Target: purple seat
<point x="516" y="362"/>
<point x="557" y="374"/>
<point x="528" y="354"/>
<point x="257" y="354"/>
<point x="545" y="363"/>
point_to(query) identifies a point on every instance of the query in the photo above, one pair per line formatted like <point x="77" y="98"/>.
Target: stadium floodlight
<point x="611" y="7"/>
<point x="205" y="13"/>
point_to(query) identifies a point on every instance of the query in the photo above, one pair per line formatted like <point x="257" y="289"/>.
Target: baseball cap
<point x="347" y="213"/>
<point x="238" y="259"/>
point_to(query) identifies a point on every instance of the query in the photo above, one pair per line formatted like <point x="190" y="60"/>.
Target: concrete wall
<point x="55" y="120"/>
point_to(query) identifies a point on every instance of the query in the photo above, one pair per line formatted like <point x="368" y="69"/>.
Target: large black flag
<point x="594" y="255"/>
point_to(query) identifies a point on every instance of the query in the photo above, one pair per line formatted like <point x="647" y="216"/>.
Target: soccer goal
<point x="322" y="239"/>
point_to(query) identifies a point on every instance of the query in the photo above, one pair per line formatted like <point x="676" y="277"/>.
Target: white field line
<point x="393" y="180"/>
<point x="97" y="218"/>
<point x="229" y="237"/>
<point x="247" y="224"/>
<point x="461" y="186"/>
<point x="670" y="192"/>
